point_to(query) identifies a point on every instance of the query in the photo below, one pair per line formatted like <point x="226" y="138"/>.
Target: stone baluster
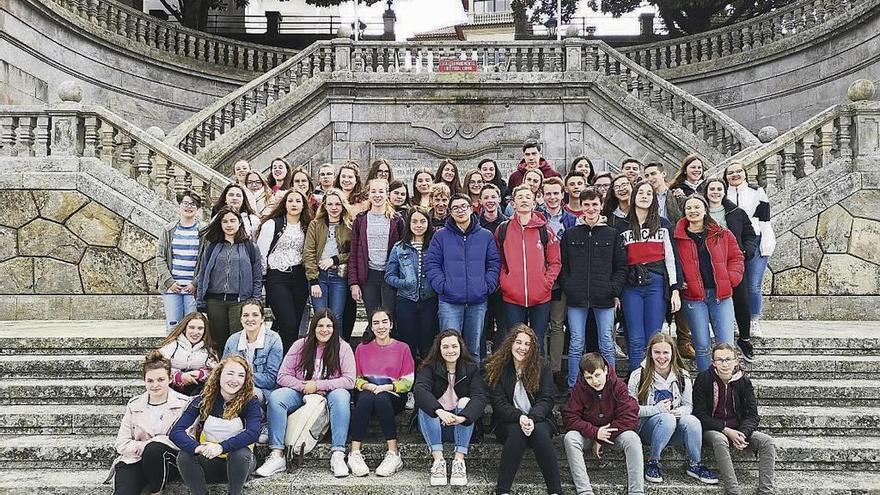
<point x="162" y="185"/>
<point x="358" y="64"/>
<point x="328" y="60"/>
<point x="125" y="158"/>
<point x="382" y="62"/>
<point x="668" y="103"/>
<point x="7" y="135"/>
<point x="90" y="140"/>
<point x="369" y="59"/>
<point x="101" y="15"/>
<point x="131" y="27"/>
<point x="819" y="7"/>
<point x="844" y="137"/>
<point x="108" y="143"/>
<point x="122" y="23"/>
<point x="92" y="11"/>
<point x="41" y="136"/>
<point x="190" y="46"/>
<point x="201" y="51"/>
<point x="143" y="166"/>
<point x="747" y="38"/>
<point x="826" y="143"/>
<point x="139" y="33"/>
<point x="711" y="133"/>
<point x="771" y="174"/>
<point x="655" y="100"/>
<point x="788" y="165"/>
<point x="76" y="7"/>
<point x="806" y="148"/>
<point x="704" y="50"/>
<point x="546" y="57"/>
<point x="24" y="138"/>
<point x="716" y="45"/>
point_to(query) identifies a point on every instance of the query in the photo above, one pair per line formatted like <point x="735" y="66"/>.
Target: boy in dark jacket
<point x="601" y="411"/>
<point x="725" y="404"/>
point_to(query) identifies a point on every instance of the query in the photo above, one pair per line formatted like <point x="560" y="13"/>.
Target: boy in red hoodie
<point x="601" y="412"/>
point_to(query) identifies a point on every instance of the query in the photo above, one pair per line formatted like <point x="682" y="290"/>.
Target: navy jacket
<point x="463" y="267"/>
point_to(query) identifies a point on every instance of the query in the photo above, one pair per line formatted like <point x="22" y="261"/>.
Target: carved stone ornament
<point x="63" y="138"/>
<point x="448" y="130"/>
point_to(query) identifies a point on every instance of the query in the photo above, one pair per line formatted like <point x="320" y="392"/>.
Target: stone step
<point x="822" y="392"/>
<point x="80" y="419"/>
<point x="81" y="336"/>
<point x="818" y="337"/>
<point x="414" y="479"/>
<point x="72" y="366"/>
<point x="96" y="451"/>
<point x="824" y="366"/>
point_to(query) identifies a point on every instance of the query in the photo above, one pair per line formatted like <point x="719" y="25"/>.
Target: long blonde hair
<point x="212" y="390"/>
<point x="647" y="371"/>
<point x="389" y="210"/>
<point x="345" y="216"/>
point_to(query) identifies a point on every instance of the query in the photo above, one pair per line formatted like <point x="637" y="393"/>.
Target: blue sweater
<point x="251" y="414"/>
<point x="463" y="267"/>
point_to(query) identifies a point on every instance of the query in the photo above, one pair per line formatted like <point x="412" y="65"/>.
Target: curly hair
<point x="211" y="392"/>
<point x="530" y="374"/>
<point x="647" y="372"/>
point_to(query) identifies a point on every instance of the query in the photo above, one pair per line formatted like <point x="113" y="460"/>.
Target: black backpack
<point x="502" y="235"/>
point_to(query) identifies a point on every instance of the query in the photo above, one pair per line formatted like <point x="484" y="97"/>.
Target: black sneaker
<point x="748" y="351"/>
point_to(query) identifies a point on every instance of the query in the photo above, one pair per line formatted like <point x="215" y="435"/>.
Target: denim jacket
<point x="403" y="273"/>
<point x="267" y="356"/>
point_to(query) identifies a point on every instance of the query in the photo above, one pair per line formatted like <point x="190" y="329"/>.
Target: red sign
<point x="454" y="65"/>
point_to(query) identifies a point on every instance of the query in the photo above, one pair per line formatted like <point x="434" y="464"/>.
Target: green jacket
<point x="316" y="238"/>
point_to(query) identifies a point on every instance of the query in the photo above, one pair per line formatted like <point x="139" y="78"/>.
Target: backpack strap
<point x="502" y="235"/>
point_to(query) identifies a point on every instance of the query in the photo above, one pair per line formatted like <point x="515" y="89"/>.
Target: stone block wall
<point x="828" y="267"/>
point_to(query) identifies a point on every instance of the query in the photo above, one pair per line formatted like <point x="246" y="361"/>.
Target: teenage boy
<point x="326" y="176"/>
<point x="593" y="274"/>
<point x="725" y="404"/>
<point x="491" y="216"/>
<point x="439" y="205"/>
<point x="632" y="169"/>
<point x="601" y="412"/>
<point x="575" y="183"/>
<point x="176" y="260"/>
<point x="530" y="263"/>
<point x="531" y="159"/>
<point x="671" y="209"/>
<point x="559" y="220"/>
<point x="462" y="266"/>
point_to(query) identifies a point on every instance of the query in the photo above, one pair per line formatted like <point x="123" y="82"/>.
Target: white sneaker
<point x="438" y="473"/>
<point x="410" y="401"/>
<point x="755" y="329"/>
<point x="459" y="473"/>
<point x="337" y="464"/>
<point x="618" y="352"/>
<point x="274" y="464"/>
<point x="391" y="464"/>
<point x="264" y="434"/>
<point x="357" y="465"/>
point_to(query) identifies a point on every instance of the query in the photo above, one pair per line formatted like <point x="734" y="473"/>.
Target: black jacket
<point x="745" y="402"/>
<point x="594" y="266"/>
<point x="740" y="224"/>
<point x="432" y="381"/>
<point x="501" y="396"/>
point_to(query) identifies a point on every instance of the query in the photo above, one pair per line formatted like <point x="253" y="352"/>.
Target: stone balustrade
<point x="570" y="56"/>
<point x="740" y="37"/>
<point x="150" y="32"/>
<point x="71" y="129"/>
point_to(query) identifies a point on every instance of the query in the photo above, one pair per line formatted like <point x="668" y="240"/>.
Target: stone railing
<point x="573" y="55"/>
<point x="71" y="129"/>
<point x="149" y="32"/>
<point x="740" y="37"/>
<point x="785" y="158"/>
<point x="490" y="17"/>
<point x="718" y="130"/>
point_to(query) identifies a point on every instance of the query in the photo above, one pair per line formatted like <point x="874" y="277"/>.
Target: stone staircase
<point x="65" y="385"/>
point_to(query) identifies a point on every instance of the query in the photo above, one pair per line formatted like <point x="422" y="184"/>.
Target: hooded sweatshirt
<point x="528" y="269"/>
<point x="588" y="409"/>
<point x="662" y="389"/>
<point x="516" y="177"/>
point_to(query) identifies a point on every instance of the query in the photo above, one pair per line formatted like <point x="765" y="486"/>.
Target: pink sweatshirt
<point x="289" y="375"/>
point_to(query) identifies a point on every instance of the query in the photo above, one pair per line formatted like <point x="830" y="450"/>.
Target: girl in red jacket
<point x="528" y="267"/>
<point x="712" y="264"/>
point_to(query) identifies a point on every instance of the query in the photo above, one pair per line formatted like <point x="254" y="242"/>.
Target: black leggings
<point x="741" y="311"/>
<point x="158" y="464"/>
<point x="515" y="444"/>
<point x="384" y="406"/>
<point x="286" y="294"/>
<point x="197" y="470"/>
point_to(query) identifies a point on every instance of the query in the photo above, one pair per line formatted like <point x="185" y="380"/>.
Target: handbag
<point x="306" y="426"/>
<point x="638" y="276"/>
<point x="342" y="270"/>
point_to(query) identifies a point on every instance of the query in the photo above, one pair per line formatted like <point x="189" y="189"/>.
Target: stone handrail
<point x="799" y="152"/>
<point x="740" y="37"/>
<point x="573" y="55"/>
<point x="233" y="109"/>
<point x="152" y="33"/>
<point x="70" y="129"/>
<point x="711" y="125"/>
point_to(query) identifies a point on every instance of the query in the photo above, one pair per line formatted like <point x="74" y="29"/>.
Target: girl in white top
<point x="191" y="351"/>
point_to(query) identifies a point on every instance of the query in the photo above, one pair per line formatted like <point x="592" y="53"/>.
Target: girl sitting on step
<point x="226" y="422"/>
<point x="147" y="457"/>
<point x="191" y="352"/>
<point x="662" y="387"/>
<point x="319" y="363"/>
<point x="450" y="396"/>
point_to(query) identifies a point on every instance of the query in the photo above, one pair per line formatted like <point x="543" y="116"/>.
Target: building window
<point x="486" y="6"/>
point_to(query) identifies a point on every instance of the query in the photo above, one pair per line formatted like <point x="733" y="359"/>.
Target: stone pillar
<point x="388" y="19"/>
<point x="573" y="54"/>
<point x="865" y="130"/>
<point x="273" y="20"/>
<point x="66" y="132"/>
<point x="342" y="53"/>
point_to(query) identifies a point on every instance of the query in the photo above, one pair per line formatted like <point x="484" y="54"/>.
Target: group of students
<point x="209" y="438"/>
<point x="478" y="258"/>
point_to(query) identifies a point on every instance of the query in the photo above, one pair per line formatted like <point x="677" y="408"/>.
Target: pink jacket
<point x="133" y="435"/>
<point x="290" y="376"/>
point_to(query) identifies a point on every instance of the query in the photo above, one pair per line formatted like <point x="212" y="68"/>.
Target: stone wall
<point x="18" y="87"/>
<point x="77" y="247"/>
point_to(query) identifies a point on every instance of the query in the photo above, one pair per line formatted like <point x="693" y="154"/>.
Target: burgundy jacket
<point x="516" y="177"/>
<point x="359" y="258"/>
<point x="587" y="410"/>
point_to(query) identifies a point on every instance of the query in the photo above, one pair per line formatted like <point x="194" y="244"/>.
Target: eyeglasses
<point x="460" y="208"/>
<point x="622" y="187"/>
<point x="187" y="204"/>
<point x="254" y="183"/>
<point x="724" y="360"/>
<point x="735" y="172"/>
<point x="602" y="186"/>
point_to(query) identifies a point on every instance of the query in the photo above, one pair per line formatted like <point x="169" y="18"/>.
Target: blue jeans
<point x="176" y="307"/>
<point x="577" y="324"/>
<point x="284" y="401"/>
<point x="434" y="433"/>
<point x="663" y="429"/>
<point x="644" y="309"/>
<point x="699" y="313"/>
<point x="465" y="318"/>
<point x="334" y="291"/>
<point x="537" y="317"/>
<point x="755" y="269"/>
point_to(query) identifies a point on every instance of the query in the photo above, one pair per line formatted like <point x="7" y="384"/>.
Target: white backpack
<point x="306" y="426"/>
